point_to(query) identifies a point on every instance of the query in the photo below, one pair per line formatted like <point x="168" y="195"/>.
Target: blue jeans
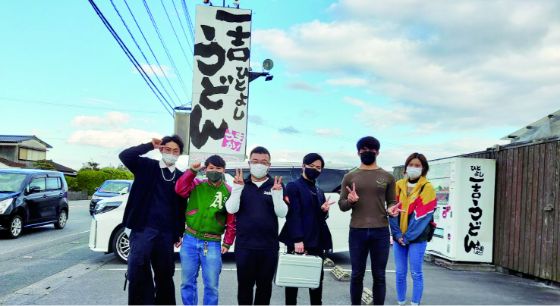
<point x="193" y="257"/>
<point x="364" y="242"/>
<point x="414" y="254"/>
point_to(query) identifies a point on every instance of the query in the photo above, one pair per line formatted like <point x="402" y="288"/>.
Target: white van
<point x="108" y="235"/>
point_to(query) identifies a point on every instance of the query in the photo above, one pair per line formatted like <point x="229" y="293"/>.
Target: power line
<point x="143" y="55"/>
<point x="176" y="36"/>
<point x="165" y="47"/>
<point x="166" y="77"/>
<point x="183" y="28"/>
<point x="129" y="55"/>
<point x="40" y="102"/>
<point x="189" y="21"/>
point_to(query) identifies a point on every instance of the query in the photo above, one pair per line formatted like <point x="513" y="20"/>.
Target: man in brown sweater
<point x="368" y="191"/>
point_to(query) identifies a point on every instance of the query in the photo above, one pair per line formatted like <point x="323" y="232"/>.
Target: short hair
<point x="176" y="139"/>
<point x="215" y="160"/>
<point x="368" y="142"/>
<point x="311" y="157"/>
<point x="421" y="158"/>
<point x="259" y="150"/>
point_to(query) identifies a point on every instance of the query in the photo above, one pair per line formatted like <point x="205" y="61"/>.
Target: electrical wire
<point x="165" y="47"/>
<point x="144" y="55"/>
<point x="183" y="28"/>
<point x="130" y="55"/>
<point x="189" y="20"/>
<point x="177" y="36"/>
<point x="40" y="102"/>
<point x="166" y="77"/>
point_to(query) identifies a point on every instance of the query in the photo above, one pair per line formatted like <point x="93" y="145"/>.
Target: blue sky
<point x="439" y="77"/>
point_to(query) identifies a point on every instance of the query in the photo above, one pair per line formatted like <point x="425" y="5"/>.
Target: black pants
<point x="151" y="249"/>
<point x="375" y="242"/>
<point x="255" y="267"/>
<point x="315" y="295"/>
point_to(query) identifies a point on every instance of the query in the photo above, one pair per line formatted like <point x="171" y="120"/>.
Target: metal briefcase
<point x="302" y="271"/>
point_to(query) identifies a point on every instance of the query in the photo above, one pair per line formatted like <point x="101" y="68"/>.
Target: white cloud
<point x="300" y="85"/>
<point x="348" y="82"/>
<point x="160" y="71"/>
<point x="462" y="64"/>
<point x="117" y="138"/>
<point x="328" y="132"/>
<point x="111" y="119"/>
<point x="378" y="117"/>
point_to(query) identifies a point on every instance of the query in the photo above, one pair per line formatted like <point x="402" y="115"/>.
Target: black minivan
<point x="30" y="197"/>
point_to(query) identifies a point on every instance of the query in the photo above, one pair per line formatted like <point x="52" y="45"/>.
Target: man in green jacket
<point x="206" y="221"/>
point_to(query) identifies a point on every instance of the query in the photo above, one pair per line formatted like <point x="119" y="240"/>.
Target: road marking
<point x="235" y="269"/>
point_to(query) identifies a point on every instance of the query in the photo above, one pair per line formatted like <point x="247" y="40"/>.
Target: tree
<point x="91" y="165"/>
<point x="44" y="165"/>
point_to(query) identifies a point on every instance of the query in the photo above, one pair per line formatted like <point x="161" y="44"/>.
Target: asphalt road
<point x="49" y="266"/>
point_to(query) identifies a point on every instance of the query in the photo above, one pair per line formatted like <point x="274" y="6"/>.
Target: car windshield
<point x="114" y="187"/>
<point x="11" y="182"/>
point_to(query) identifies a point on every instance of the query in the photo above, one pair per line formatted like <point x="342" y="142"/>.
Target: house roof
<point x="64" y="169"/>
<point x="22" y="138"/>
<point x="546" y="127"/>
<point x="10" y="163"/>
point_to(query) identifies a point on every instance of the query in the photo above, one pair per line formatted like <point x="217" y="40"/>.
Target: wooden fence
<point x="527" y="208"/>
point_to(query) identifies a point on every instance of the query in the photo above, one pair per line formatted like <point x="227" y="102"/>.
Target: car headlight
<point x="103" y="207"/>
<point x="4" y="204"/>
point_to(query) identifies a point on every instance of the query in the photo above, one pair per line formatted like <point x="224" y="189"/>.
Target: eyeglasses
<point x="170" y="150"/>
<point x="259" y="162"/>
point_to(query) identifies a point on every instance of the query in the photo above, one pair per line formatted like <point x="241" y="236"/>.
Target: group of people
<point x="204" y="217"/>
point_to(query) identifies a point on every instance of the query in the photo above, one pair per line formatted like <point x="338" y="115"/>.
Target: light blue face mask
<point x="258" y="170"/>
<point x="413" y="172"/>
<point x="169" y="159"/>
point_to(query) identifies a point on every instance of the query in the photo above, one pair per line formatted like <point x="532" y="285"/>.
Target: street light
<point x="267" y="65"/>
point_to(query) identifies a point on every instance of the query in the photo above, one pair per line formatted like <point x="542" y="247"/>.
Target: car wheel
<point x="15" y="226"/>
<point x="121" y="245"/>
<point x="62" y="219"/>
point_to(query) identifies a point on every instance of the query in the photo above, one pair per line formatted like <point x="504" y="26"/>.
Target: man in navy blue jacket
<point x="155" y="215"/>
<point x="257" y="202"/>
<point x="306" y="230"/>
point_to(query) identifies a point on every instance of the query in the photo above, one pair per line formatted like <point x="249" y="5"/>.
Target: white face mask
<point x="413" y="172"/>
<point x="169" y="159"/>
<point x="259" y="171"/>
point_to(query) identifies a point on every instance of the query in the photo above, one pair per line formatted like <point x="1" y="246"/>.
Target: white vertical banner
<point x="218" y="122"/>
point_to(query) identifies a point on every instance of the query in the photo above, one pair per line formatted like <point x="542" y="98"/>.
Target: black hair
<point x="368" y="142"/>
<point x="259" y="150"/>
<point x="215" y="160"/>
<point x="174" y="138"/>
<point x="421" y="158"/>
<point x="311" y="157"/>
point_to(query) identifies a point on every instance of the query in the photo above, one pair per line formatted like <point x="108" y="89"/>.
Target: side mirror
<point x="96" y="188"/>
<point x="33" y="189"/>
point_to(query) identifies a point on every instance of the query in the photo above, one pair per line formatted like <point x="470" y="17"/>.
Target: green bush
<point x="72" y="183"/>
<point x="89" y="179"/>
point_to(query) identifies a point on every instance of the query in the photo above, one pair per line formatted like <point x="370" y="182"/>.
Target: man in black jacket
<point x="155" y="215"/>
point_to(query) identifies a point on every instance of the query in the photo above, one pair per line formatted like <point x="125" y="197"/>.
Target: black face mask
<point x="214" y="176"/>
<point x="311" y="173"/>
<point x="368" y="157"/>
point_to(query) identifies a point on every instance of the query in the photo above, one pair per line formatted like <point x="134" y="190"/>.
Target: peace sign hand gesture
<point x="325" y="207"/>
<point x="277" y="183"/>
<point x="352" y="195"/>
<point x="238" y="179"/>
